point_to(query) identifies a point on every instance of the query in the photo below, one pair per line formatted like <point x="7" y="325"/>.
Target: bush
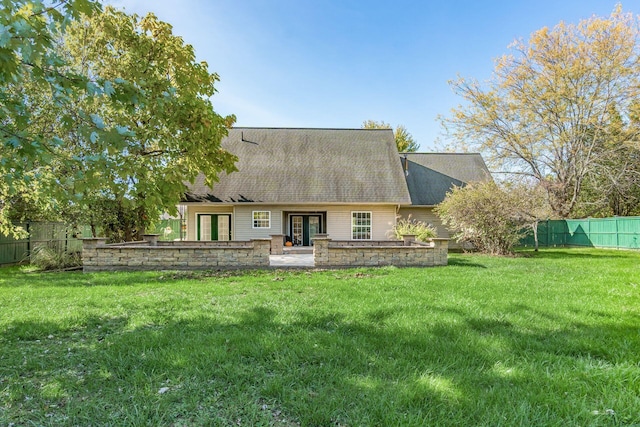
<point x="420" y="229"/>
<point x="485" y="215"/>
<point x="48" y="258"/>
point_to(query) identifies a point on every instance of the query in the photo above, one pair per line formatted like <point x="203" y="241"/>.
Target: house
<point x="348" y="183"/>
<point x="431" y="175"/>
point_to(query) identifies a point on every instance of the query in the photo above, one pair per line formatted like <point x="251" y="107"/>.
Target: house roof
<point x="285" y="165"/>
<point x="431" y="175"/>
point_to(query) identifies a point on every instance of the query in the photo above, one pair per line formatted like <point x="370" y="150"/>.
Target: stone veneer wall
<point x="151" y="254"/>
<point x="328" y="253"/>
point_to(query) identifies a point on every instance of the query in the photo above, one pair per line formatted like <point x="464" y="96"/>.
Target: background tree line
<point x="559" y="124"/>
<point x="562" y="112"/>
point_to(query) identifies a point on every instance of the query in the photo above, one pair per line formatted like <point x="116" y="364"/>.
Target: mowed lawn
<point x="541" y="339"/>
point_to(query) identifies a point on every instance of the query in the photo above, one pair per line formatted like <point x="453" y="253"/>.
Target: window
<point x="261" y="219"/>
<point x="361" y="225"/>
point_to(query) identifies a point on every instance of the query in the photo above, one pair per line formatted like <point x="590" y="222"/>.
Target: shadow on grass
<point x="316" y="369"/>
<point x="19" y="277"/>
<point x="573" y="253"/>
<point x="464" y="262"/>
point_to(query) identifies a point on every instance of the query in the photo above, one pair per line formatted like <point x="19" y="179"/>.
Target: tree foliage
<point x="548" y="110"/>
<point x="614" y="186"/>
<point x="404" y="140"/>
<point x="170" y="132"/>
<point x="29" y="60"/>
<point x="135" y="125"/>
<point x="491" y="217"/>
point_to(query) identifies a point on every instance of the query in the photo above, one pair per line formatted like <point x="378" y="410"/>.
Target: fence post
<point x="617" y="234"/>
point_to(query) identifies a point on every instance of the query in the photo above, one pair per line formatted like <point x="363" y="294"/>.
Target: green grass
<point x="545" y="339"/>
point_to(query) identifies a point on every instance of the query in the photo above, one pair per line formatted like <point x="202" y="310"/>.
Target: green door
<point x="214" y="227"/>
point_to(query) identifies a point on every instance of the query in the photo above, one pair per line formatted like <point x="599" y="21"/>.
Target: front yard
<point x="542" y="339"/>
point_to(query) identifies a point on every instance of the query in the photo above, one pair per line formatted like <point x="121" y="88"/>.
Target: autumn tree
<point x="614" y="186"/>
<point x="547" y="111"/>
<point x="404" y="140"/>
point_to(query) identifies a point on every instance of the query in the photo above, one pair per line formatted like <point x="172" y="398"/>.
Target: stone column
<point x="440" y="251"/>
<point x="261" y="250"/>
<point x="408" y="239"/>
<point x="277" y="244"/>
<point x="152" y="239"/>
<point x="90" y="252"/>
<point x="93" y="242"/>
<point x="321" y="250"/>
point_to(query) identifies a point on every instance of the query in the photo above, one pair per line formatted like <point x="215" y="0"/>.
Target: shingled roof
<point x="431" y="175"/>
<point x="277" y="165"/>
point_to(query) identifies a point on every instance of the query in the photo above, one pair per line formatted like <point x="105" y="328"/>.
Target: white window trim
<point x="253" y="220"/>
<point x="370" y="224"/>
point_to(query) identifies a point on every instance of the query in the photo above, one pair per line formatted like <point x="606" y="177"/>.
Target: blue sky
<point x="336" y="63"/>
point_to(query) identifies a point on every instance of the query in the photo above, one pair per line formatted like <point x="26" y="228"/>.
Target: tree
<point x="528" y="204"/>
<point x="171" y="133"/>
<point x="28" y="30"/>
<point x="404" y="140"/>
<point x="614" y="186"/>
<point x="491" y="217"/>
<point x="548" y="107"/>
<point x="144" y="126"/>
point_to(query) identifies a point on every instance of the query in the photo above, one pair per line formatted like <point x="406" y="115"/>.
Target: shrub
<point x="420" y="229"/>
<point x="489" y="217"/>
<point x="48" y="258"/>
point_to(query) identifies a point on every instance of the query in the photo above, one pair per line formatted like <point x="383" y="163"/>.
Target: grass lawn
<point x="543" y="339"/>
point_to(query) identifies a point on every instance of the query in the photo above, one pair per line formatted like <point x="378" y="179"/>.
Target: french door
<point x="304" y="228"/>
<point x="214" y="227"/>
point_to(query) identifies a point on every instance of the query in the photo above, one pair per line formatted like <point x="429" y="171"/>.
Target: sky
<point x="337" y="63"/>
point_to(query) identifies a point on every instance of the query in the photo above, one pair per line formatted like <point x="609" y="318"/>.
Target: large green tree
<point x="30" y="67"/>
<point x="404" y="140"/>
<point x="547" y="111"/>
<point x="140" y="124"/>
<point x="170" y="132"/>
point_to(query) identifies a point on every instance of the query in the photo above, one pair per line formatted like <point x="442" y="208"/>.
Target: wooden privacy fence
<point x="57" y="236"/>
<point x="616" y="232"/>
<point x="64" y="239"/>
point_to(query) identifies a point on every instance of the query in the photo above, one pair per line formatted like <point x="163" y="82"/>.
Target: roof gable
<point x="430" y="176"/>
<point x="285" y="165"/>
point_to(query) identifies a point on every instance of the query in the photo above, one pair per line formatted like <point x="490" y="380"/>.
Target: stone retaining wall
<point x="154" y="255"/>
<point x="329" y="253"/>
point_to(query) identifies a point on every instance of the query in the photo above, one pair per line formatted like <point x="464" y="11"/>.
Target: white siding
<point x="339" y="222"/>
<point x="243" y="222"/>
<point x="338" y="219"/>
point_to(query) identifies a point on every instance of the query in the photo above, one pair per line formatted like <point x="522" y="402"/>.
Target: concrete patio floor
<point x="291" y="260"/>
